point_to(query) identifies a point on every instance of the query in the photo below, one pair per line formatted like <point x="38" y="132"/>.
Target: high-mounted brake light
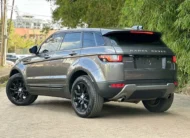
<point x="111" y="58"/>
<point x="174" y="59"/>
<point x="141" y="32"/>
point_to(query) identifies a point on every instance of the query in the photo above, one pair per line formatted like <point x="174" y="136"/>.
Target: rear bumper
<point x="129" y="90"/>
<point x="136" y="91"/>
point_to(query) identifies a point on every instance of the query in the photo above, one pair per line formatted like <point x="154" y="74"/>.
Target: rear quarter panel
<point x="101" y="71"/>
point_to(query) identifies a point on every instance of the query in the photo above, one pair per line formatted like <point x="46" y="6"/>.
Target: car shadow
<point x="110" y="110"/>
<point x="57" y="105"/>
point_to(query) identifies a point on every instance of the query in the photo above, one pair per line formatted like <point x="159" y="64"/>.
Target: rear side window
<point x="88" y="39"/>
<point x="71" y="41"/>
<point x="99" y="39"/>
<point x="129" y="39"/>
<point x="92" y="39"/>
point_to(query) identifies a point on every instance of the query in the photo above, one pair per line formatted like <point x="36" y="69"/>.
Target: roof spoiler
<point x="132" y="32"/>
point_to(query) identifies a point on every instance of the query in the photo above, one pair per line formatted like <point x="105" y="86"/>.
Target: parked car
<point x="93" y="66"/>
<point x="20" y="56"/>
<point x="12" y="57"/>
<point x="10" y="63"/>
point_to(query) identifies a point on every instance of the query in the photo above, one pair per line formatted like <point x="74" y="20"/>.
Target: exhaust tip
<point x="122" y="99"/>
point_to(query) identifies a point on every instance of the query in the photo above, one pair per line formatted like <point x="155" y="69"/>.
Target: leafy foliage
<point x="45" y="30"/>
<point x="95" y="13"/>
<point x="17" y="42"/>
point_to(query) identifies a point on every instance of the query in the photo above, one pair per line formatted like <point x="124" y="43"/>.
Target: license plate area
<point x="150" y="62"/>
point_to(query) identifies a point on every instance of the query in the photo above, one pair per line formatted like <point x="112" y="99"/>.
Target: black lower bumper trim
<point x="107" y="92"/>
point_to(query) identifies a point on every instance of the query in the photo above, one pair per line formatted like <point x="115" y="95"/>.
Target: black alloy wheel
<point x="81" y="97"/>
<point x="17" y="92"/>
<point x="159" y="104"/>
<point x="85" y="99"/>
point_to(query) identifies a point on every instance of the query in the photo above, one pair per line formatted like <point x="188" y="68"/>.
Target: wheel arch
<point x="13" y="72"/>
<point x="19" y="69"/>
<point x="85" y="66"/>
<point x="77" y="73"/>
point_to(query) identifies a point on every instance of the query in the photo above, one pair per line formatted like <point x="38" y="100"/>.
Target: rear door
<point x="68" y="53"/>
<point x="146" y="58"/>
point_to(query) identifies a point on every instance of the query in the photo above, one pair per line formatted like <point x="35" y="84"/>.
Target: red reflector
<point x="174" y="59"/>
<point x="141" y="32"/>
<point x="175" y="83"/>
<point x="118" y="85"/>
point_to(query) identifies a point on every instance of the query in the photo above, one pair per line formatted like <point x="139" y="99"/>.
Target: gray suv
<point x="93" y="66"/>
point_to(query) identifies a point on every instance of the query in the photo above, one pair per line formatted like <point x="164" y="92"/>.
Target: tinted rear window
<point x="99" y="39"/>
<point x="88" y="39"/>
<point x="126" y="39"/>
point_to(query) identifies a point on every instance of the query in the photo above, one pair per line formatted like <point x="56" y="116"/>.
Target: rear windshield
<point x="130" y="39"/>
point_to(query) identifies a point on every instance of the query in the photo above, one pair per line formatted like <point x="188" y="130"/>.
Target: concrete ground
<point x="54" y="117"/>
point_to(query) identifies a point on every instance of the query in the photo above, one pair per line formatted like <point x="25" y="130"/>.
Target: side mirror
<point x="33" y="50"/>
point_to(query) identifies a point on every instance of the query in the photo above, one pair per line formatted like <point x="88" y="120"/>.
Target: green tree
<point x="18" y="42"/>
<point x="96" y="13"/>
<point x="46" y="30"/>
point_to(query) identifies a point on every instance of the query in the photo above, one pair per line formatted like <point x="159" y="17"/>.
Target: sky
<point x="38" y="8"/>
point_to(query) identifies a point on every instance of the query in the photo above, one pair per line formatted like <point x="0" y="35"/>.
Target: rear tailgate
<point x="145" y="56"/>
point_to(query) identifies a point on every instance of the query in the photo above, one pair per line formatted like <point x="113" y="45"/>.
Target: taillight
<point x="174" y="59"/>
<point x="111" y="58"/>
<point x="175" y="83"/>
<point x="117" y="85"/>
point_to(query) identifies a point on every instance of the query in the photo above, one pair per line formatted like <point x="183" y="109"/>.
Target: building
<point x="31" y="28"/>
<point x="35" y="34"/>
<point x="28" y="21"/>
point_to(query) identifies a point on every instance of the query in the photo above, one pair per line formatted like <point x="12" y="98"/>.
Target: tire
<point x="160" y="104"/>
<point x="17" y="93"/>
<point x="84" y="98"/>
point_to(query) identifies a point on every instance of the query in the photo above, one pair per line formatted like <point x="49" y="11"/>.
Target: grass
<point x="1" y="67"/>
<point x="3" y="84"/>
<point x="185" y="90"/>
<point x="3" y="79"/>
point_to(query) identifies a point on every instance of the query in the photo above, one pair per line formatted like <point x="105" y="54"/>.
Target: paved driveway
<point x="54" y="118"/>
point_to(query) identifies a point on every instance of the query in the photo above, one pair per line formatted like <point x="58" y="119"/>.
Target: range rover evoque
<point x="93" y="66"/>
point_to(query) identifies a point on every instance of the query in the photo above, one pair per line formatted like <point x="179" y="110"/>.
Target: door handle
<point x="73" y="53"/>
